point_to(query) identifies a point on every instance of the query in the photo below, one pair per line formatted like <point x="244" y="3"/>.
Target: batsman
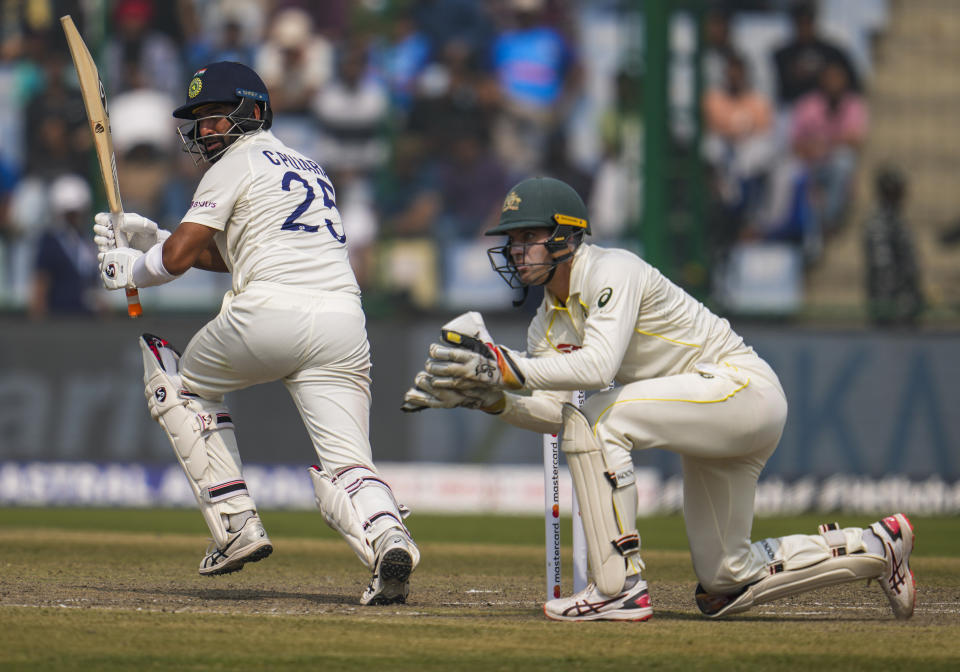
<point x="266" y="214"/>
<point x="686" y="382"/>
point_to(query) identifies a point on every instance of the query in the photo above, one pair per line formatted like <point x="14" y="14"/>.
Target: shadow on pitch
<point x="249" y="597"/>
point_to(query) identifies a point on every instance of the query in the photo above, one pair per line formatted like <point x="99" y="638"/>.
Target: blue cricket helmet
<point x="227" y="82"/>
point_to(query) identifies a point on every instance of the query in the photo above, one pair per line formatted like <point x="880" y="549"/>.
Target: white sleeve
<point x="539" y="412"/>
<point x="148" y="269"/>
<point x="608" y="329"/>
<point x="221" y="187"/>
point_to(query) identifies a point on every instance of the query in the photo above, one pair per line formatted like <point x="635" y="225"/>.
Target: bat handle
<point x="134" y="309"/>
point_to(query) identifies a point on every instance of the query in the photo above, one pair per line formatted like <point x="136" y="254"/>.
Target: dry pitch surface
<point x="114" y="599"/>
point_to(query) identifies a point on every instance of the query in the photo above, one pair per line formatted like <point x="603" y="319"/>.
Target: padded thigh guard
<point x="799" y="563"/>
<point x="359" y="505"/>
<point x="608" y="503"/>
<point x="202" y="436"/>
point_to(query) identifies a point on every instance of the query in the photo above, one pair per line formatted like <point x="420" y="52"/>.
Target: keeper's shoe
<point x="249" y="544"/>
<point x="896" y="533"/>
<point x="397" y="557"/>
<point x="632" y="604"/>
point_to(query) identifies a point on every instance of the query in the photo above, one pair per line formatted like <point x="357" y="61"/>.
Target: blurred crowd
<point x="424" y="112"/>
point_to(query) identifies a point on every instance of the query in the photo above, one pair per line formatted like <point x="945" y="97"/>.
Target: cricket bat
<point x="95" y="102"/>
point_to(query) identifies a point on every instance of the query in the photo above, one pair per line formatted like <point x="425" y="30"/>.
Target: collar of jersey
<point x="581" y="260"/>
<point x="244" y="139"/>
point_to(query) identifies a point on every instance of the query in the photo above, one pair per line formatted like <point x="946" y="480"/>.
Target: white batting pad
<point x="202" y="436"/>
<point x="339" y="513"/>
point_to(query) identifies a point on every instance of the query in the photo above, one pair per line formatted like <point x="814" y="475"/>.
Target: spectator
<point x="828" y="127"/>
<point x="144" y="139"/>
<point x="799" y="63"/>
<point x="535" y="67"/>
<point x="738" y="146"/>
<point x="472" y="181"/>
<point x="717" y="47"/>
<point x="400" y="58"/>
<point x="352" y="111"/>
<point x="295" y="62"/>
<point x="56" y="131"/>
<point x="66" y="274"/>
<point x="408" y="198"/>
<point x="894" y="296"/>
<point x="228" y="42"/>
<point x="442" y="21"/>
<point x="616" y="199"/>
<point x="452" y="87"/>
<point x="355" y="201"/>
<point x="137" y="55"/>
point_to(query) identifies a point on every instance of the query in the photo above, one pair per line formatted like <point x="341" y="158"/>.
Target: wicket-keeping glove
<point x="425" y="395"/>
<point x="462" y="361"/>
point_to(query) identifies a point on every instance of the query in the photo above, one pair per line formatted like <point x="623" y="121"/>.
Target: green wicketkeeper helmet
<point x="540" y="202"/>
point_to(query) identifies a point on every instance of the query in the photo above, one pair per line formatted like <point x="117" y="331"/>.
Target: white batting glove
<point x="141" y="233"/>
<point x="425" y="395"/>
<point x="116" y="267"/>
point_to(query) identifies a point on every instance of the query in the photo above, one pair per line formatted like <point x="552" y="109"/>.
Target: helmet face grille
<point x="558" y="245"/>
<point x="242" y="123"/>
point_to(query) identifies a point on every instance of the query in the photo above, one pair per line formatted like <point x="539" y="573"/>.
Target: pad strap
<point x="835" y="538"/>
<point x="222" y="491"/>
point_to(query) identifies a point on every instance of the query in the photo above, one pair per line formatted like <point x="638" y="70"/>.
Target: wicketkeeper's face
<point x="529" y="253"/>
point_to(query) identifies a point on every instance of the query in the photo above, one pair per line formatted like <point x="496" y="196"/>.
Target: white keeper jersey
<point x="623" y="321"/>
<point x="276" y="217"/>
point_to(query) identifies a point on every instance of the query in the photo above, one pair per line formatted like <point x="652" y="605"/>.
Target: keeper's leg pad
<point x="202" y="436"/>
<point x="799" y="563"/>
<point x="359" y="505"/>
<point x="608" y="504"/>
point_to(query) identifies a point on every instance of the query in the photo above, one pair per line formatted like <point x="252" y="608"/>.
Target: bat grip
<point x="134" y="309"/>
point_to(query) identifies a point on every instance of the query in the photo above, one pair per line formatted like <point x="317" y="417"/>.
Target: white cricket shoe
<point x="896" y="533"/>
<point x="397" y="557"/>
<point x="249" y="544"/>
<point x="632" y="604"/>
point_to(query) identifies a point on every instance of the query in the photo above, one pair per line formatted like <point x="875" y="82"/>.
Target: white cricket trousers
<point x="724" y="421"/>
<point x="315" y="342"/>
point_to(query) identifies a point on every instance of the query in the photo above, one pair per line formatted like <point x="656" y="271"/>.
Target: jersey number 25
<point x="291" y="223"/>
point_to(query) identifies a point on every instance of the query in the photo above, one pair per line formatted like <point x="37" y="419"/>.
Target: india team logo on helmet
<point x="212" y="87"/>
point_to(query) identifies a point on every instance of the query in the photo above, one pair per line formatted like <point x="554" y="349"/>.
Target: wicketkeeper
<point x="266" y="214"/>
<point x="687" y="383"/>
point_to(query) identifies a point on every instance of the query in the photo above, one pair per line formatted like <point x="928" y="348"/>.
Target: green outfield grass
<point x="118" y="590"/>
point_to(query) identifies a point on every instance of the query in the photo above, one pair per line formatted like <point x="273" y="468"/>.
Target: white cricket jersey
<point x="276" y="217"/>
<point x="623" y="321"/>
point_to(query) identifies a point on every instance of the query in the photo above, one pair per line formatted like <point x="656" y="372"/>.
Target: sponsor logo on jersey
<point x="512" y="202"/>
<point x="567" y="347"/>
<point x="203" y="204"/>
<point x="604" y="297"/>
